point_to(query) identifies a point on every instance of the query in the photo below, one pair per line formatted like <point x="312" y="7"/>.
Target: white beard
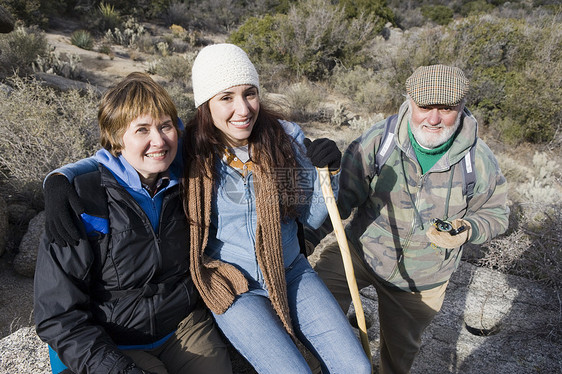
<point x="433" y="140"/>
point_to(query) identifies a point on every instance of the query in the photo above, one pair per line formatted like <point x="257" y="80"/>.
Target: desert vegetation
<point x="337" y="66"/>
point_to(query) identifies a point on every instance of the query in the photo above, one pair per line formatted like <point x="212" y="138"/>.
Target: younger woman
<point x="247" y="181"/>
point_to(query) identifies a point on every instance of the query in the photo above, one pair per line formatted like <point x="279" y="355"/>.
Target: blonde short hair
<point x="137" y="94"/>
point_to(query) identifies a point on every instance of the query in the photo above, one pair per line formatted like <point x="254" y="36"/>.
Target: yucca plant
<point x="82" y="39"/>
<point x="110" y="17"/>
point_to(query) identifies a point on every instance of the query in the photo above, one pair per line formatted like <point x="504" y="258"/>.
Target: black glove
<point x="62" y="206"/>
<point x="323" y="152"/>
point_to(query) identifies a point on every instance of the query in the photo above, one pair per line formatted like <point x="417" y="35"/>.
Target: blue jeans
<point x="254" y="329"/>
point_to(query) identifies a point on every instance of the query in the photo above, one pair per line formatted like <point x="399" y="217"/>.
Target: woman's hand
<point x="323" y="152"/>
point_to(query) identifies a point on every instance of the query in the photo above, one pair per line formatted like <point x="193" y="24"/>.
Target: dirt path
<point x="98" y="68"/>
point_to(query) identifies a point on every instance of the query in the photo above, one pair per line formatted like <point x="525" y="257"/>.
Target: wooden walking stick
<point x="325" y="182"/>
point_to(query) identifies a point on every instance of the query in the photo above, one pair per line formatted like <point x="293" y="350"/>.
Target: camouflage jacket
<point x="394" y="209"/>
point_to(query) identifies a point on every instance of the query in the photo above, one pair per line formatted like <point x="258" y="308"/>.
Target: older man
<point x="401" y="175"/>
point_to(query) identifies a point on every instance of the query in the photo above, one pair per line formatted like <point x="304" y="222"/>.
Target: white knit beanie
<point x="218" y="67"/>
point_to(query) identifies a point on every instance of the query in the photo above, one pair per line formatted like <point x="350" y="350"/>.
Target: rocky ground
<point x="489" y="323"/>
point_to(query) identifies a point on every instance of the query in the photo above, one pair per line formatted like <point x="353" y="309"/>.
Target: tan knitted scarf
<point x="219" y="282"/>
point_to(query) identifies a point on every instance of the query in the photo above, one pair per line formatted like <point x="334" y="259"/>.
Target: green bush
<point x="373" y="8"/>
<point x="43" y="129"/>
<point x="157" y="8"/>
<point x="28" y="11"/>
<point x="82" y="39"/>
<point x="515" y="69"/>
<point x="476" y="7"/>
<point x="309" y="40"/>
<point x="439" y="14"/>
<point x="20" y="49"/>
<point x="262" y="39"/>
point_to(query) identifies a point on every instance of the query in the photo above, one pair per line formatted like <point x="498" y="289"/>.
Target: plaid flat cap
<point x="437" y="85"/>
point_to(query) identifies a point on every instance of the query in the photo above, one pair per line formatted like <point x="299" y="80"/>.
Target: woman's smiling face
<point x="150" y="146"/>
<point x="234" y="112"/>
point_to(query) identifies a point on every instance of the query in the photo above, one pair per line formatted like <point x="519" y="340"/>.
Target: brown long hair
<point x="269" y="144"/>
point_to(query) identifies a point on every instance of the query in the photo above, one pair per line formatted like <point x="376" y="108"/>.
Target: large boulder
<point x="66" y="84"/>
<point x="23" y="353"/>
<point x="6" y="21"/>
<point x="24" y="262"/>
<point x="20" y="213"/>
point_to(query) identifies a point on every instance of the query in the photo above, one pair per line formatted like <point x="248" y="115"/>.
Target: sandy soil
<point x="98" y="68"/>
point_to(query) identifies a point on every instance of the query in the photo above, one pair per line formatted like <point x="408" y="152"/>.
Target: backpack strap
<point x="468" y="173"/>
<point x="387" y="143"/>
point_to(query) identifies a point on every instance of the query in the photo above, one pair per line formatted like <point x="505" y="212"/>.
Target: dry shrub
<point x="183" y="98"/>
<point x="145" y="43"/>
<point x="302" y="100"/>
<point x="175" y="67"/>
<point x="211" y="15"/>
<point x="43" y="129"/>
<point x="368" y="93"/>
<point x="128" y="34"/>
<point x="65" y="65"/>
<point x="532" y="248"/>
<point x="20" y="48"/>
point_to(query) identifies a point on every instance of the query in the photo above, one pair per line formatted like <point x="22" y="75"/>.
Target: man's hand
<point x="444" y="239"/>
<point x="62" y="206"/>
<point x="323" y="152"/>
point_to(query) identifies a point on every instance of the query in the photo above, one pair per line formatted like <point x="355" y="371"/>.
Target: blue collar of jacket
<point x="128" y="177"/>
<point x="126" y="174"/>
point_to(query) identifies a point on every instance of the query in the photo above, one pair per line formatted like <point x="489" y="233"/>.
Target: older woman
<point x="122" y="300"/>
